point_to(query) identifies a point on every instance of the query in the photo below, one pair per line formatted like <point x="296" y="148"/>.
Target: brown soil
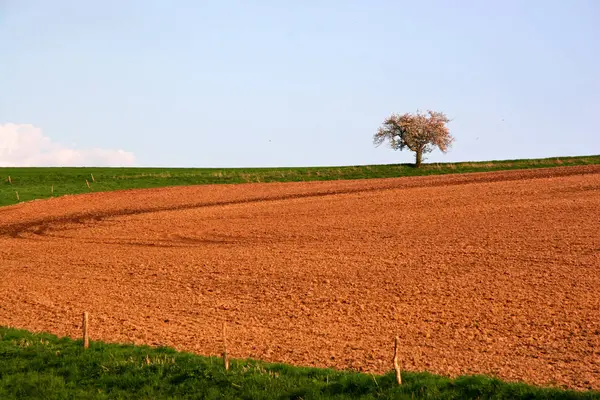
<point x="495" y="273"/>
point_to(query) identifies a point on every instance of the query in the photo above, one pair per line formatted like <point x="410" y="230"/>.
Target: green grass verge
<point x="37" y="183"/>
<point x="42" y="366"/>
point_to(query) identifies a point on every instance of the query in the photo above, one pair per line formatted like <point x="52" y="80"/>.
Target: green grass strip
<point x="42" y="183"/>
<point x="42" y="366"/>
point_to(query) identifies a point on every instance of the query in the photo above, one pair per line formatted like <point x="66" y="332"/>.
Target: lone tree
<point x="418" y="132"/>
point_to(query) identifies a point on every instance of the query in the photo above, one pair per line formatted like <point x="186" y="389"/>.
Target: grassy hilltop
<point x="41" y="183"/>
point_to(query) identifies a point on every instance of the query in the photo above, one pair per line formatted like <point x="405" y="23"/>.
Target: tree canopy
<point x="419" y="132"/>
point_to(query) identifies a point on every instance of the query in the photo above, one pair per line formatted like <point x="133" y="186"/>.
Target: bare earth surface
<point x="495" y="273"/>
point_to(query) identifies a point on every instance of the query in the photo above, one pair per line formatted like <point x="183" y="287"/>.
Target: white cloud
<point x="24" y="145"/>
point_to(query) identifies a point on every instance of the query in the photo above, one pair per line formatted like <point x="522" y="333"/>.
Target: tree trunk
<point x="419" y="158"/>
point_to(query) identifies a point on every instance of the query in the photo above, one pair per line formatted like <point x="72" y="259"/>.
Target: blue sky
<point x="277" y="83"/>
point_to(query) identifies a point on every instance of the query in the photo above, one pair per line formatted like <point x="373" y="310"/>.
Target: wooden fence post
<point x="396" y="365"/>
<point x="86" y="337"/>
<point x="225" y="355"/>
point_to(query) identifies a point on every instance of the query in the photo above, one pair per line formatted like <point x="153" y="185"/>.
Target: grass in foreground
<point x="36" y="366"/>
<point x="41" y="183"/>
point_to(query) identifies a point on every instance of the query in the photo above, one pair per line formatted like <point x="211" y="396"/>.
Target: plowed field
<point x="495" y="273"/>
